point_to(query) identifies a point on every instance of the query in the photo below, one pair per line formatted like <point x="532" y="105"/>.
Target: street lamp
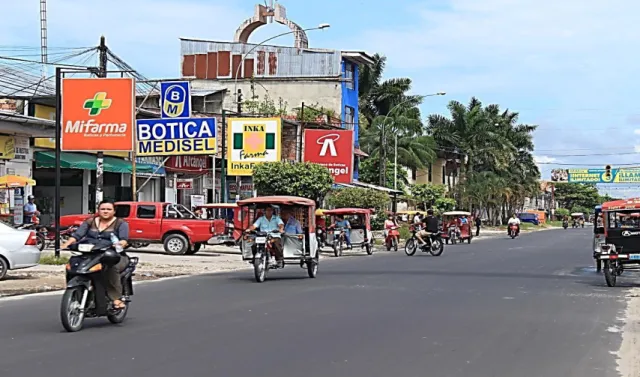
<point x="395" y="162"/>
<point x="235" y="86"/>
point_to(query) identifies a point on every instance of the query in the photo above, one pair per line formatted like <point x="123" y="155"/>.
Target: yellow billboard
<point x="252" y="141"/>
<point x="49" y="112"/>
<point x="7" y="147"/>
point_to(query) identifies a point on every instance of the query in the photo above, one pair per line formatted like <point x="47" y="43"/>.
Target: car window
<point x="123" y="210"/>
<point x="146" y="212"/>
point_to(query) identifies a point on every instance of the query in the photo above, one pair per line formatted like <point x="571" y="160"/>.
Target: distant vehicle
<point x="18" y="249"/>
<point x="529" y="218"/>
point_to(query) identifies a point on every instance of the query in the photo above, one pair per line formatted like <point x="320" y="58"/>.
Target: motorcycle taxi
<point x="453" y="230"/>
<point x="577" y="217"/>
<point x="257" y="247"/>
<point x="598" y="236"/>
<point x="621" y="247"/>
<point x="360" y="232"/>
<point x="321" y="228"/>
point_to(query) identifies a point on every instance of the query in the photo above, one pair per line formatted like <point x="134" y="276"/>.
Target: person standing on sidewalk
<point x="478" y="223"/>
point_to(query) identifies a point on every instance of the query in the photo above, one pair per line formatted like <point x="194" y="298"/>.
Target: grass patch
<point x="50" y="259"/>
<point x="404" y="231"/>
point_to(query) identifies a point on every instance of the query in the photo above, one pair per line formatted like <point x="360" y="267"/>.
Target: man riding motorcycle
<point x="514" y="220"/>
<point x="430" y="225"/>
<point x="269" y="223"/>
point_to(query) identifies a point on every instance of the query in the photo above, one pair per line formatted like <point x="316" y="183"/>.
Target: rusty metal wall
<point x="289" y="61"/>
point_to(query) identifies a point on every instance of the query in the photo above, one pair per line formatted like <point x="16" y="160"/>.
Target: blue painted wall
<point x="350" y="98"/>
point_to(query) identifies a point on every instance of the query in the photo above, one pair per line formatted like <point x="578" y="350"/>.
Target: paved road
<point x="529" y="307"/>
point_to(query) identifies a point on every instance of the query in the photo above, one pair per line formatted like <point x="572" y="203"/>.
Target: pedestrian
<point x="30" y="209"/>
<point x="478" y="223"/>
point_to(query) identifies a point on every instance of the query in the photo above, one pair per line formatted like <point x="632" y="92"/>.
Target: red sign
<point x="184" y="184"/>
<point x="333" y="149"/>
<point x="188" y="163"/>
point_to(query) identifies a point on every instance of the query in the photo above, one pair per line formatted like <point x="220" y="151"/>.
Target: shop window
<point x="349" y="76"/>
<point x="349" y="117"/>
<point x="146" y="212"/>
<point x="123" y="211"/>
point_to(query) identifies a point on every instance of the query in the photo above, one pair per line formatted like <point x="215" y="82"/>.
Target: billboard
<point x="98" y="114"/>
<point x="252" y="141"/>
<point x="178" y="136"/>
<point x="332" y="149"/>
<point x="175" y="99"/>
<point x="631" y="175"/>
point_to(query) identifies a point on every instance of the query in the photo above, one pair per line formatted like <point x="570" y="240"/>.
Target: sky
<point x="569" y="66"/>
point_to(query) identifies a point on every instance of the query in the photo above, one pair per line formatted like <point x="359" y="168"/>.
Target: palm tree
<point x="415" y="150"/>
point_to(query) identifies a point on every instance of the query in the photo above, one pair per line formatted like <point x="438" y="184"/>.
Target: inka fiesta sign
<point x="252" y="141"/>
<point x="176" y="133"/>
<point x="332" y="149"/>
<point x="98" y="114"/>
<point x="187" y="163"/>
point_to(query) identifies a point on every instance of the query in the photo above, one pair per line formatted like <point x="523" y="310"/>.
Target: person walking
<point x="478" y="223"/>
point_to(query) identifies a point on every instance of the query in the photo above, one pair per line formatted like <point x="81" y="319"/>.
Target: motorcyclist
<point x="389" y="223"/>
<point x="98" y="231"/>
<point x="342" y="223"/>
<point x="267" y="224"/>
<point x="430" y="225"/>
<point x="514" y="220"/>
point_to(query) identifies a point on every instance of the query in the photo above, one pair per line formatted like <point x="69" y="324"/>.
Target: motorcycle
<point x="513" y="231"/>
<point x="264" y="257"/>
<point x="391" y="241"/>
<point x="454" y="234"/>
<point x="86" y="292"/>
<point x="338" y="241"/>
<point x="565" y="224"/>
<point x="435" y="246"/>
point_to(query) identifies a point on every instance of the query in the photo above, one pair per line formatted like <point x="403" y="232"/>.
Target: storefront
<point x="78" y="181"/>
<point x="189" y="176"/>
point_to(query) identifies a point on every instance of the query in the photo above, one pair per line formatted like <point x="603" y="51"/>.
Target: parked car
<point x="18" y="249"/>
<point x="179" y="229"/>
<point x="529" y="218"/>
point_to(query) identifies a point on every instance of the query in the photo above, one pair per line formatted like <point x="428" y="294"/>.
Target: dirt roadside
<point x="628" y="357"/>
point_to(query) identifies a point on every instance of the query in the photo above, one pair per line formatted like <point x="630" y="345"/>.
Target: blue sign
<point x="175" y="99"/>
<point x="175" y="137"/>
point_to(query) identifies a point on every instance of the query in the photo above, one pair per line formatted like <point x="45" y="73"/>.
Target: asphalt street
<point x="529" y="307"/>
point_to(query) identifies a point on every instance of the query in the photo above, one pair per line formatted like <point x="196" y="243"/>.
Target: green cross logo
<point x="97" y="104"/>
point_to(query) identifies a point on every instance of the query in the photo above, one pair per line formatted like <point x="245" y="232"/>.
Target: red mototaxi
<point x="225" y="232"/>
<point x="448" y="219"/>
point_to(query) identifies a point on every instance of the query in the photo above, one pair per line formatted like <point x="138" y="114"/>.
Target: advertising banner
<point x="252" y="141"/>
<point x="173" y="137"/>
<point x="189" y="164"/>
<point x="7" y="147"/>
<point x="175" y="99"/>
<point x="623" y="175"/>
<point x="332" y="149"/>
<point x="98" y="114"/>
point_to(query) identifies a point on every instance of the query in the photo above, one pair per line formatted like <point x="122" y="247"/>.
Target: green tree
<point x="369" y="173"/>
<point x="427" y="194"/>
<point x="562" y="212"/>
<point x="445" y="204"/>
<point x="358" y="198"/>
<point x="302" y="179"/>
<point x="572" y="195"/>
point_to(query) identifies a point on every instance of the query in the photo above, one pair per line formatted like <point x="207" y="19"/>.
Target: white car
<point x="18" y="249"/>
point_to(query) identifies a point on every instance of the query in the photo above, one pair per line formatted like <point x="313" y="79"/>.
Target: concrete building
<point x="443" y="171"/>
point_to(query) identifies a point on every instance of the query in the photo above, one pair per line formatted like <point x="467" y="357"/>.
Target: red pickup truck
<point x="173" y="225"/>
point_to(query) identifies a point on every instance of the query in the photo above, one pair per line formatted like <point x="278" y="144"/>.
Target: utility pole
<point x="102" y="72"/>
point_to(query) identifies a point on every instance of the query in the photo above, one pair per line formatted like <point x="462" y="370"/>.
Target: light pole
<point x="395" y="157"/>
<point x="235" y="89"/>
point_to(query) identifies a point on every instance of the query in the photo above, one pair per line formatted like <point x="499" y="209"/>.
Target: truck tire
<point x="194" y="249"/>
<point x="176" y="244"/>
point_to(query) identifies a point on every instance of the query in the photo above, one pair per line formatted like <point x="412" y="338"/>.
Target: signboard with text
<point x="252" y="141"/>
<point x="622" y="175"/>
<point x="174" y="137"/>
<point x="332" y="149"/>
<point x="98" y="114"/>
<point x="188" y="164"/>
<point x="175" y="99"/>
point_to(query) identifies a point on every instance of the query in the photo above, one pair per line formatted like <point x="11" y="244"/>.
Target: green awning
<point x="47" y="159"/>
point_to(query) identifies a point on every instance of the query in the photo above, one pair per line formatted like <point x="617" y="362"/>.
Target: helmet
<point x="110" y="257"/>
<point x="429" y="212"/>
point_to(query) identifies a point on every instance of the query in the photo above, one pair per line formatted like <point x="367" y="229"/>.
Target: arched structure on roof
<point x="266" y="14"/>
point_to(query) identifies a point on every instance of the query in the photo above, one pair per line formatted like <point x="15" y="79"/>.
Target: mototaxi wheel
<point x="260" y="268"/>
<point x="71" y="315"/>
<point x="369" y="248"/>
<point x="436" y="248"/>
<point x="610" y="273"/>
<point x="395" y="244"/>
<point x="312" y="268"/>
<point x="410" y="247"/>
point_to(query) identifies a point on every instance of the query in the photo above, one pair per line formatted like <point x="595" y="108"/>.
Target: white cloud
<point x="637" y="131"/>
<point x="636" y="148"/>
<point x="544" y="159"/>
